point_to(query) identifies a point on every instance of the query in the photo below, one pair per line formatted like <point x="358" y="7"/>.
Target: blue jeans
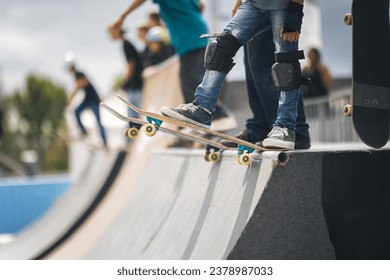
<point x="262" y="94"/>
<point x="247" y="22"/>
<point x="94" y="106"/>
<point x="134" y="97"/>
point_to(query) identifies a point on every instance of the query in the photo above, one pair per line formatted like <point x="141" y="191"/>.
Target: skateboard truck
<point x="153" y="126"/>
<point x="213" y="154"/>
<point x="243" y="155"/>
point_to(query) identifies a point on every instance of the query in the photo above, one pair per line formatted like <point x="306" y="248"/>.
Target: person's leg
<point x="288" y="100"/>
<point x="262" y="94"/>
<point x="302" y="136"/>
<point x="218" y="62"/>
<point x="191" y="73"/>
<point x="247" y="22"/>
<point x="134" y="97"/>
<point x="283" y="133"/>
<point x="78" y="112"/>
<point x="96" y="110"/>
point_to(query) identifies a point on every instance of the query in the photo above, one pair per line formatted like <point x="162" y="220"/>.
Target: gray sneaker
<point x="190" y="113"/>
<point x="280" y="137"/>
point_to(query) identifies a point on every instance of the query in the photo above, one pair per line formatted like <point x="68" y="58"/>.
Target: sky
<point x="36" y="35"/>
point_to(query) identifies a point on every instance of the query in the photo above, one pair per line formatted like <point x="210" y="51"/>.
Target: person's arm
<point x="326" y="77"/>
<point x="80" y="84"/>
<point x="129" y="10"/>
<point x="201" y="6"/>
<point x="71" y="96"/>
<point x="235" y="7"/>
<point x="291" y="29"/>
<point x="130" y="70"/>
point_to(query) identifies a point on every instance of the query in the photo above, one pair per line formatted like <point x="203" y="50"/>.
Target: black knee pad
<point x="220" y="52"/>
<point x="286" y="72"/>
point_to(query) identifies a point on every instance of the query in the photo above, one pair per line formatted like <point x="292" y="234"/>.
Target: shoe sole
<point x="275" y="143"/>
<point x="166" y="111"/>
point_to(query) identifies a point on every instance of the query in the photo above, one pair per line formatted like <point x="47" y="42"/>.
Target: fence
<point x="327" y="120"/>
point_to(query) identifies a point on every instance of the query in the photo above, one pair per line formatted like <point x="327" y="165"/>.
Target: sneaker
<point x="190" y="113"/>
<point x="243" y="135"/>
<point x="299" y="145"/>
<point x="280" y="137"/>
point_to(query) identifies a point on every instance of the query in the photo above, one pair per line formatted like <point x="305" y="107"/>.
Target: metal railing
<point x="327" y="120"/>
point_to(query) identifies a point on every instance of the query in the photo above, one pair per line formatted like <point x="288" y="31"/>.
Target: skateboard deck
<point x="213" y="149"/>
<point x="244" y="148"/>
<point x="370" y="107"/>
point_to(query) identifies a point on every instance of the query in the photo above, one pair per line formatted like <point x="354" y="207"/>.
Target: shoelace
<point x="280" y="132"/>
<point x="188" y="107"/>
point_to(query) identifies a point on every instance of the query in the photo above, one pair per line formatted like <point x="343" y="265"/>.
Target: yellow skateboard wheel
<point x="131" y="132"/>
<point x="348" y="110"/>
<point x="213" y="157"/>
<point x="150" y="130"/>
<point x="244" y="159"/>
<point x="348" y="19"/>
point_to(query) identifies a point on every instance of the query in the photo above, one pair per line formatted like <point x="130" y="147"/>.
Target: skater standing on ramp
<point x="285" y="19"/>
<point x="262" y="94"/>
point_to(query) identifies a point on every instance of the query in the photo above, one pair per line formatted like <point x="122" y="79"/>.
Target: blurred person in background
<point x="158" y="46"/>
<point x="91" y="100"/>
<point x="132" y="82"/>
<point x="318" y="74"/>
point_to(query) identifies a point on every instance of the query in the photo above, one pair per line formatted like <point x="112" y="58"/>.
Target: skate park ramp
<point x="324" y="203"/>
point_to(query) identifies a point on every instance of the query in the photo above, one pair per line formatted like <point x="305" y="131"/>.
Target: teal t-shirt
<point x="270" y="4"/>
<point x="185" y="24"/>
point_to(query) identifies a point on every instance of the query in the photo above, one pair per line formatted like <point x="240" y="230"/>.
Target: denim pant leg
<point x="134" y="97"/>
<point x="302" y="127"/>
<point x="243" y="26"/>
<point x="191" y="73"/>
<point x="262" y="93"/>
<point x="83" y="105"/>
<point x="288" y="100"/>
<point x="94" y="106"/>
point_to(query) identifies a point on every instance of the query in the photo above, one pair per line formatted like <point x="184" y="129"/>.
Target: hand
<point x="289" y="36"/>
<point x="292" y="26"/>
<point x="118" y="23"/>
<point x="235" y="7"/>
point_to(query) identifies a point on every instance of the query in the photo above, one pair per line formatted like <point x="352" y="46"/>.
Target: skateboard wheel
<point x="131" y="132"/>
<point x="150" y="130"/>
<point x="213" y="157"/>
<point x="244" y="159"/>
<point x="348" y="110"/>
<point x="348" y="19"/>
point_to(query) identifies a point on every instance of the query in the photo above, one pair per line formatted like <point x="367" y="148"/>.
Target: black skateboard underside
<point x="371" y="71"/>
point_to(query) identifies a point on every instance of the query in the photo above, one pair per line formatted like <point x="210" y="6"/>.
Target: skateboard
<point x="213" y="149"/>
<point x="244" y="149"/>
<point x="370" y="109"/>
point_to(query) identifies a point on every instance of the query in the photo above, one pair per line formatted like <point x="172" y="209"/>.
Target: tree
<point x="34" y="115"/>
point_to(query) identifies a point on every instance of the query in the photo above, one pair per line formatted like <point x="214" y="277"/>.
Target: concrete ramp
<point x="185" y="208"/>
<point x="177" y="206"/>
<point x="181" y="207"/>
